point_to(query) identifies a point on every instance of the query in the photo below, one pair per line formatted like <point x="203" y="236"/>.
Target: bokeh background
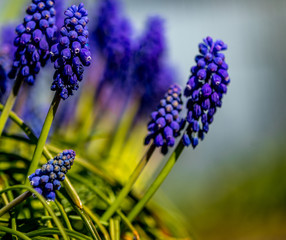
<point x="233" y="185"/>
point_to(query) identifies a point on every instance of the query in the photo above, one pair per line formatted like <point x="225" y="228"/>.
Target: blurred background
<point x="233" y="185"/>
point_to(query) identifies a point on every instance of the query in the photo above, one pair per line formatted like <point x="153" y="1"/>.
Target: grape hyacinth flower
<point x="149" y="65"/>
<point x="72" y="53"/>
<point x="205" y="89"/>
<point x="47" y="179"/>
<point x="166" y="124"/>
<point x="33" y="41"/>
<point x="118" y="55"/>
<point x="108" y="20"/>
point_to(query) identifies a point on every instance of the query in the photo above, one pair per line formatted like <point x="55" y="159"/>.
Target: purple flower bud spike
<point x="34" y="39"/>
<point x="71" y="54"/>
<point x="165" y="124"/>
<point x="48" y="179"/>
<point x="205" y="89"/>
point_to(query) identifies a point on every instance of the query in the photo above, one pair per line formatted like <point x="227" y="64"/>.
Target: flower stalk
<point x="9" y="104"/>
<point x="157" y="182"/>
<point x="44" y="134"/>
<point x="128" y="186"/>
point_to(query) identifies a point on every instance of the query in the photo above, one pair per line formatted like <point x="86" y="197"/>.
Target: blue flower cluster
<point x="165" y="124"/>
<point x="205" y="89"/>
<point x="72" y="53"/>
<point x="112" y="36"/>
<point x="34" y="37"/>
<point x="108" y="20"/>
<point x="118" y="55"/>
<point x="48" y="179"/>
<point x="148" y="65"/>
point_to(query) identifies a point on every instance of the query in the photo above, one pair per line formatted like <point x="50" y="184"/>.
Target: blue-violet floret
<point x="47" y="179"/>
<point x="205" y="89"/>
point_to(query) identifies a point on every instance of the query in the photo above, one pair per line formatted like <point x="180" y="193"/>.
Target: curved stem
<point x="102" y="195"/>
<point x="14" y="232"/>
<point x="157" y="182"/>
<point x="97" y="221"/>
<point x="128" y="186"/>
<point x="10" y="103"/>
<point x="44" y="134"/>
<point x="43" y="201"/>
<point x="15" y="202"/>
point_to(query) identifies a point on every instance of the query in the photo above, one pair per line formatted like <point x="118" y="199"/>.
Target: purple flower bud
<point x="25" y="71"/>
<point x="215" y="97"/>
<point x="206" y="90"/>
<point x="44" y="45"/>
<point x="49" y="187"/>
<point x="197" y="111"/>
<point x="37" y="17"/>
<point x="35" y="181"/>
<point x="44" y="24"/>
<point x="25" y="38"/>
<point x="68" y="70"/>
<point x="85" y="56"/>
<point x="64" y="41"/>
<point x="159" y="141"/>
<point x="20" y="29"/>
<point x="195" y="142"/>
<point x="37" y="35"/>
<point x="51" y="196"/>
<point x="186" y="140"/>
<point x="44" y="179"/>
<point x="66" y="53"/>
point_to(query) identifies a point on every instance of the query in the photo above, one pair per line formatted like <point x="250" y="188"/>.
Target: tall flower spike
<point x="205" y="89"/>
<point x="166" y="124"/>
<point x="47" y="179"/>
<point x="149" y="65"/>
<point x="33" y="41"/>
<point x="72" y="53"/>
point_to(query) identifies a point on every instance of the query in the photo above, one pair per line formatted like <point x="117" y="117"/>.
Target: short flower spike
<point x="205" y="89"/>
<point x="48" y="179"/>
<point x="72" y="53"/>
<point x="166" y="124"/>
<point x="34" y="39"/>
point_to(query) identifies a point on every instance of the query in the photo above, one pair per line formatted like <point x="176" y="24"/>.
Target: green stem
<point x="128" y="186"/>
<point x="44" y="134"/>
<point x="88" y="223"/>
<point x="64" y="215"/>
<point x="97" y="221"/>
<point x="43" y="201"/>
<point x="14" y="232"/>
<point x="10" y="103"/>
<point x="107" y="201"/>
<point x="15" y="202"/>
<point x="157" y="182"/>
<point x="29" y="132"/>
<point x="50" y="231"/>
<point x="13" y="215"/>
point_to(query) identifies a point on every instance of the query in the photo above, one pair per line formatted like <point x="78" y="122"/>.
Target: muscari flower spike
<point x="149" y="65"/>
<point x="47" y="179"/>
<point x="166" y="124"/>
<point x="205" y="89"/>
<point x="108" y="20"/>
<point x="72" y="53"/>
<point x="33" y="41"/>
